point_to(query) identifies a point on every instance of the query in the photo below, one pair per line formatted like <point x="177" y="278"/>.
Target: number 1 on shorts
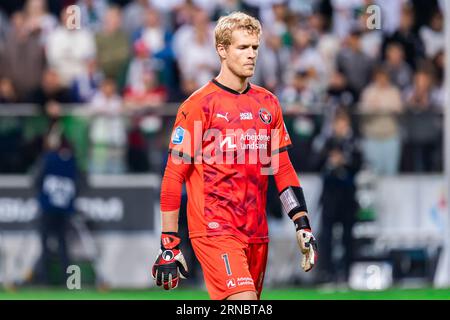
<point x="227" y="263"/>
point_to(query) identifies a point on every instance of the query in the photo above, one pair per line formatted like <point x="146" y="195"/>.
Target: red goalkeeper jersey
<point x="232" y="141"/>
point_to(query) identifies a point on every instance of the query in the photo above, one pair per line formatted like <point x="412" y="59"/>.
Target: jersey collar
<point x="217" y="83"/>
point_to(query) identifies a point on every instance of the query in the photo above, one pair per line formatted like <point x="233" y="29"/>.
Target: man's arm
<point x="170" y="264"/>
<point x="293" y="201"/>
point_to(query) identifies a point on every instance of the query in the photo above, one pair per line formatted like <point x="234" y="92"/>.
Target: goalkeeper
<point x="228" y="137"/>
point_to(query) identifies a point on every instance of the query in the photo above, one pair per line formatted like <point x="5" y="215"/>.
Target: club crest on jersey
<point x="265" y="116"/>
<point x="178" y="135"/>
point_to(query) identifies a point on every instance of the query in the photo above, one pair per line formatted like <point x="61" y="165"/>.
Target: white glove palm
<point x="308" y="247"/>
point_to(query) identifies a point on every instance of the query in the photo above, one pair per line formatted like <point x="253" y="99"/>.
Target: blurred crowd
<point x="320" y="57"/>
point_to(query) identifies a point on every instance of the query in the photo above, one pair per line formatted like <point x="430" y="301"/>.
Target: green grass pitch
<point x="191" y="294"/>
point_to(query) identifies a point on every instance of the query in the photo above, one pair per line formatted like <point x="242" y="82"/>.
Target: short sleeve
<point x="186" y="138"/>
<point x="280" y="136"/>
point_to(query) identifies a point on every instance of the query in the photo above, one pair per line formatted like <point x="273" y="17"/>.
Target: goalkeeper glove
<point x="307" y="243"/>
<point x="170" y="264"/>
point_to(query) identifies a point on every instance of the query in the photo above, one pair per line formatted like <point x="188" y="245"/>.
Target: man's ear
<point x="222" y="51"/>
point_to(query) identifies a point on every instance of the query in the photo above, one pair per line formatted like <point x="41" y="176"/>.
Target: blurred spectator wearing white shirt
<point x="381" y="102"/>
<point x="108" y="131"/>
<point x="68" y="50"/>
<point x="433" y="35"/>
<point x="345" y="15"/>
<point x="327" y="44"/>
<point x="304" y="56"/>
<point x="38" y="19"/>
<point x="195" y="52"/>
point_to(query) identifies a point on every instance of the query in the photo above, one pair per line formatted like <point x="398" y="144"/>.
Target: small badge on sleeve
<point x="178" y="135"/>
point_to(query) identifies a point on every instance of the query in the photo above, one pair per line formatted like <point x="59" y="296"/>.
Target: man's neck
<point x="232" y="81"/>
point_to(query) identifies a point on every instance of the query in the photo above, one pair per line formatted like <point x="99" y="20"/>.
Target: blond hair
<point x="235" y="21"/>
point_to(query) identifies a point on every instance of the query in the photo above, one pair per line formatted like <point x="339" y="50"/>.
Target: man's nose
<point x="252" y="53"/>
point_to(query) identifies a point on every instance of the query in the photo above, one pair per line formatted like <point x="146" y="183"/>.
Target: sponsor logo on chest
<point x="246" y="116"/>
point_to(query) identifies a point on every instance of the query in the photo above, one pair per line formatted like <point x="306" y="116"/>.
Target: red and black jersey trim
<point x="289" y="146"/>
<point x="217" y="83"/>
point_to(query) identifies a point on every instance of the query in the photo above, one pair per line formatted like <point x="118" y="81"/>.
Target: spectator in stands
<point x="4" y="29"/>
<point x="133" y="15"/>
<point x="272" y="68"/>
<point x="159" y="42"/>
<point x="92" y="13"/>
<point x="339" y="160"/>
<point x="107" y="133"/>
<point x="87" y="84"/>
<point x="338" y="97"/>
<point x="51" y="89"/>
<point x="7" y="92"/>
<point x="371" y="38"/>
<point x="344" y="17"/>
<point x="438" y="94"/>
<point x="226" y="7"/>
<point x="399" y="71"/>
<point x="339" y="93"/>
<point x="23" y="58"/>
<point x="195" y="52"/>
<point x="141" y="65"/>
<point x="412" y="44"/>
<point x="68" y="50"/>
<point x="151" y="94"/>
<point x="432" y="36"/>
<point x="57" y="189"/>
<point x="300" y="94"/>
<point x="380" y="104"/>
<point x="38" y="19"/>
<point x="354" y="64"/>
<point x="304" y="55"/>
<point x="423" y="126"/>
<point x="112" y="46"/>
<point x="181" y="12"/>
<point x="327" y="43"/>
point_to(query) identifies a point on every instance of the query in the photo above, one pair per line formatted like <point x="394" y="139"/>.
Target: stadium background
<point x="133" y="62"/>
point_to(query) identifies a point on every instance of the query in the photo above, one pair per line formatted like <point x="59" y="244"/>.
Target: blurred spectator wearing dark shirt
<point x="423" y="127"/>
<point x="412" y="45"/>
<point x="23" y="59"/>
<point x="112" y="46"/>
<point x="339" y="160"/>
<point x="354" y="64"/>
<point x="50" y="89"/>
<point x="399" y="71"/>
<point x="57" y="189"/>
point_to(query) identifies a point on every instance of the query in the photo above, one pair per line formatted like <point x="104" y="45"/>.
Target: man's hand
<point x="307" y="243"/>
<point x="170" y="264"/>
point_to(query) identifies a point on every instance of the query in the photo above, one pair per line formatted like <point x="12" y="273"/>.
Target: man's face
<point x="240" y="56"/>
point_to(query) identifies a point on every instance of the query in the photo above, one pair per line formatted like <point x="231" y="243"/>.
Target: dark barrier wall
<point x="103" y="207"/>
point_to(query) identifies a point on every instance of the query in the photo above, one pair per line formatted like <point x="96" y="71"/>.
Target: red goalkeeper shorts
<point x="230" y="266"/>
